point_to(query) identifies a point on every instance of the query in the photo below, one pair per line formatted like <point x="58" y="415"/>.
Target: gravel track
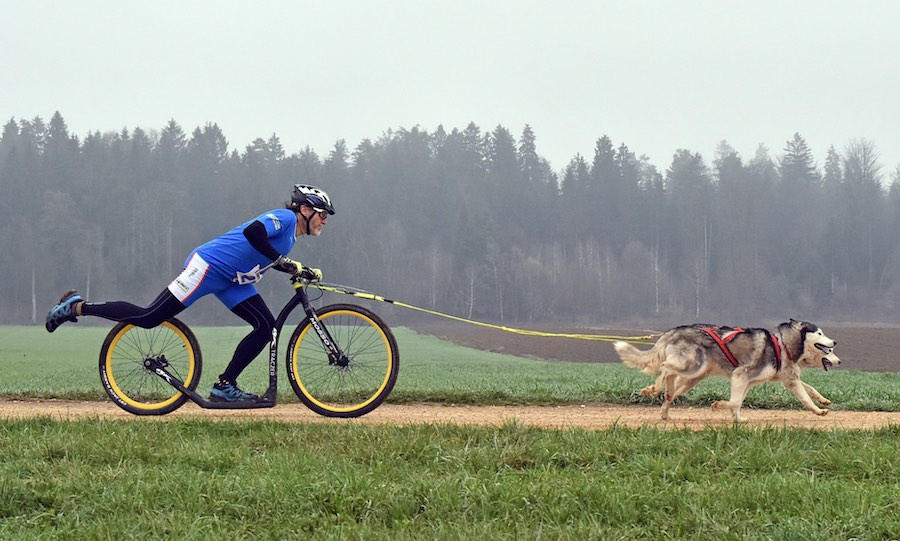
<point x="588" y="416"/>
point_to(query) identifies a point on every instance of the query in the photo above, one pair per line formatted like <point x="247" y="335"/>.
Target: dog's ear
<point x="796" y="325"/>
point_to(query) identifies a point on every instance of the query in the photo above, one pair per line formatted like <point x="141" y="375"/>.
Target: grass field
<point x="64" y="365"/>
<point x="251" y="480"/>
<point x="199" y="479"/>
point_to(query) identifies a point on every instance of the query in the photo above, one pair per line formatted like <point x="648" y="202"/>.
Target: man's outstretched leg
<point x="72" y="305"/>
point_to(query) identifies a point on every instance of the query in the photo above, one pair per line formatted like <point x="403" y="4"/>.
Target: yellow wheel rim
<point x="113" y="384"/>
<point x="374" y="395"/>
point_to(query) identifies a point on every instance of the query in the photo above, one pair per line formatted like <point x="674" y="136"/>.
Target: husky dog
<point x="684" y="356"/>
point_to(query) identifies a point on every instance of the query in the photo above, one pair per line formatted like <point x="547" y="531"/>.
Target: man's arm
<point x="256" y="235"/>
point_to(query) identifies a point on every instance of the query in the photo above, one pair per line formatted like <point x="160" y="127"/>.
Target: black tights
<point x="164" y="307"/>
<point x="253" y="310"/>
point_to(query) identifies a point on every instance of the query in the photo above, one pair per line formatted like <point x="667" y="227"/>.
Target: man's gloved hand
<point x="288" y="265"/>
<point x="311" y="275"/>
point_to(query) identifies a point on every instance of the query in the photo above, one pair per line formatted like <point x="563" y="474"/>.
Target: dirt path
<point x="589" y="416"/>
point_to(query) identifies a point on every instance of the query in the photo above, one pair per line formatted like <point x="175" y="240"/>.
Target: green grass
<point x="64" y="365"/>
<point x="194" y="479"/>
<point x="231" y="479"/>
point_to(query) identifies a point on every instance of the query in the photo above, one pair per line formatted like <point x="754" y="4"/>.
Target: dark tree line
<point x="465" y="221"/>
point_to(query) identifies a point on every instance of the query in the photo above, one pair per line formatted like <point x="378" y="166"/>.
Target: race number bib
<point x="250" y="277"/>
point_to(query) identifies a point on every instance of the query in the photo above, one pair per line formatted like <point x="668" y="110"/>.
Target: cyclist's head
<point x="311" y="197"/>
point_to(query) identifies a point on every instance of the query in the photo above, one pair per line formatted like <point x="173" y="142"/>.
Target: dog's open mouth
<point x="826" y="363"/>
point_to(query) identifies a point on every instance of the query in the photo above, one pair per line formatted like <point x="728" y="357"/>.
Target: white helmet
<point x="312" y="196"/>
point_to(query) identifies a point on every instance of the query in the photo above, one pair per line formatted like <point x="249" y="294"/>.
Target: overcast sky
<point x="656" y="75"/>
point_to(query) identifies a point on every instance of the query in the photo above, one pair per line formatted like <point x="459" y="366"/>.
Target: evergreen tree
<point x="504" y="190"/>
<point x="833" y="172"/>
<point x="889" y="281"/>
<point x="172" y="140"/>
<point x="602" y="206"/>
<point x="33" y="134"/>
<point x="691" y="196"/>
<point x="863" y="199"/>
<point x="799" y="222"/>
<point x="540" y="198"/>
<point x="10" y="134"/>
<point x="836" y="219"/>
<point x="798" y="166"/>
<point x="576" y="205"/>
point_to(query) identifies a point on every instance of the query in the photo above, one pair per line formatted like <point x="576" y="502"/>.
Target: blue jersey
<point x="232" y="257"/>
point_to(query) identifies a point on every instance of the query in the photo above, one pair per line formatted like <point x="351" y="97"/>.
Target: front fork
<point x="335" y="355"/>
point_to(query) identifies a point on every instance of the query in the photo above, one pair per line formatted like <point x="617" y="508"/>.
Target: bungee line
<point x="346" y="290"/>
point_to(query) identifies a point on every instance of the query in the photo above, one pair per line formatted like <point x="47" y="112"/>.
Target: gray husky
<point x="684" y="356"/>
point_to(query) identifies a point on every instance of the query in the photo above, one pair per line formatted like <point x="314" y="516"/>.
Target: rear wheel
<point x="128" y="380"/>
<point x="358" y="381"/>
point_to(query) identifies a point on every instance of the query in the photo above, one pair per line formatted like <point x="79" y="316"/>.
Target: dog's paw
<point x="649" y="391"/>
<point x="822" y="413"/>
<point x="824" y="401"/>
<point x="716" y="405"/>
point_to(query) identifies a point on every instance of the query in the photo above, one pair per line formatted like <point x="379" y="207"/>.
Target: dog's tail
<point x="648" y="361"/>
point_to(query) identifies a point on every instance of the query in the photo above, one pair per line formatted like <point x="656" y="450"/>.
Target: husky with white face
<point x="684" y="356"/>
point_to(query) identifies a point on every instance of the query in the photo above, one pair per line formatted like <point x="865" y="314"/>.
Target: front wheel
<point x="358" y="381"/>
<point x="126" y="355"/>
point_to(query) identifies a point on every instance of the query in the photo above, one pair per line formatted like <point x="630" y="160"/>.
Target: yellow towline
<point x="344" y="290"/>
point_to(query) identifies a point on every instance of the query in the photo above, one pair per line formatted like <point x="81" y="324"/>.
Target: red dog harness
<point x="722" y="341"/>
